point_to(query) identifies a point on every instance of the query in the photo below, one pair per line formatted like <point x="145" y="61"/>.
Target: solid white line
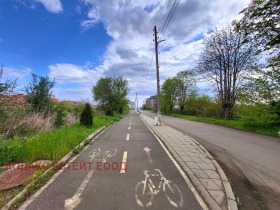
<point x="127" y="137"/>
<point x="196" y="195"/>
<point x="123" y="165"/>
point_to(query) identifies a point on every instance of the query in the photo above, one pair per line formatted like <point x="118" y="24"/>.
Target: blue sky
<point x="78" y="41"/>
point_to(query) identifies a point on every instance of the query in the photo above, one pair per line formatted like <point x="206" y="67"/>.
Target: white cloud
<point x="93" y="18"/>
<point x="65" y="73"/>
<point x="53" y="6"/>
<point x="16" y="72"/>
<point x="130" y="25"/>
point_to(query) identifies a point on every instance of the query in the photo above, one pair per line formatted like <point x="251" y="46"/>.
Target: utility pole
<point x="158" y="122"/>
<point x="136" y="101"/>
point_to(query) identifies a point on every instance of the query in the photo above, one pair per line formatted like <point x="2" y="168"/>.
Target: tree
<point x="87" y="116"/>
<point x="261" y="22"/>
<point x="7" y="87"/>
<point x="186" y="86"/>
<point x="39" y="93"/>
<point x="60" y="116"/>
<point x="110" y="93"/>
<point x="169" y="94"/>
<point x="225" y="60"/>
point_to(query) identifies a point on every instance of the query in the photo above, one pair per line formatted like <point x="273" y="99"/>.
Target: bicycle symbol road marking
<point x="93" y="154"/>
<point x="146" y="190"/>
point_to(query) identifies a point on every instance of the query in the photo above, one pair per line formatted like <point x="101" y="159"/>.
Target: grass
<point x="264" y="130"/>
<point x="270" y="131"/>
<point x="50" y="145"/>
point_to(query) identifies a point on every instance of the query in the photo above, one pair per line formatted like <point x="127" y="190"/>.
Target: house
<point x="152" y="102"/>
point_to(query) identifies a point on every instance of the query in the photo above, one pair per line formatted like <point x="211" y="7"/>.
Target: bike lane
<point x="150" y="181"/>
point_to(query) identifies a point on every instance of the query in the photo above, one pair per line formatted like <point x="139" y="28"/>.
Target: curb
<point x="231" y="200"/>
<point x="64" y="159"/>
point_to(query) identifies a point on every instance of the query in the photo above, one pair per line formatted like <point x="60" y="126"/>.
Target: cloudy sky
<point x="78" y="41"/>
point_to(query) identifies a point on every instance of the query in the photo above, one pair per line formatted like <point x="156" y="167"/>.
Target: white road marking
<point x="33" y="197"/>
<point x="196" y="195"/>
<point x="123" y="165"/>
<point x="129" y="127"/>
<point x="147" y="150"/>
<point x="71" y="203"/>
<point x="127" y="137"/>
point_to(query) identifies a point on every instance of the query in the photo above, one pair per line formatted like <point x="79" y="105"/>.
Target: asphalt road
<point x="255" y="156"/>
<point x="108" y="186"/>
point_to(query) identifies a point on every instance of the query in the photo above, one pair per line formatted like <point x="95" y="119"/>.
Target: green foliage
<point x="109" y="111"/>
<point x="60" y="116"/>
<point x="169" y="93"/>
<point x="50" y="145"/>
<point x="39" y="93"/>
<point x="6" y="87"/>
<point x="186" y="86"/>
<point x="87" y="116"/>
<point x="111" y="93"/>
<point x="259" y="114"/>
<point x="203" y="106"/>
<point x="145" y="107"/>
<point x="261" y="20"/>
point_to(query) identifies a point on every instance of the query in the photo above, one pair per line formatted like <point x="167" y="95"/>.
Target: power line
<point x="169" y="17"/>
<point x="172" y="28"/>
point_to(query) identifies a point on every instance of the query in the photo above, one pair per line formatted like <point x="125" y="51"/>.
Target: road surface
<point x="123" y="156"/>
<point x="257" y="157"/>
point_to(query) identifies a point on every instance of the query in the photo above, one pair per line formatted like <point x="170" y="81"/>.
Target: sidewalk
<point x="203" y="170"/>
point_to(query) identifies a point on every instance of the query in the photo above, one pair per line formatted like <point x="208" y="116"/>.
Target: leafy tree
<point x="110" y="93"/>
<point x="39" y="93"/>
<point x="7" y="87"/>
<point x="169" y="92"/>
<point x="203" y="106"/>
<point x="60" y="116"/>
<point x="87" y="116"/>
<point x="186" y="85"/>
<point x="261" y="20"/>
<point x="225" y="60"/>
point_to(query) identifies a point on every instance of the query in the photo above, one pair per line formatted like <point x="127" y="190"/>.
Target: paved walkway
<point x="200" y="166"/>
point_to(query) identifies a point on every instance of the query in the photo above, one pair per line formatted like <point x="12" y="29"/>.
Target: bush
<point x="60" y="117"/>
<point x="109" y="112"/>
<point x="86" y="116"/>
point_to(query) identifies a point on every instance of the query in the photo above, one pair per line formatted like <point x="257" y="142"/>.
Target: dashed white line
<point x="123" y="165"/>
<point x="127" y="137"/>
<point x="129" y="128"/>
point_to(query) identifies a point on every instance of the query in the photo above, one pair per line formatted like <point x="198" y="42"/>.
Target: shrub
<point x="86" y="116"/>
<point x="60" y="117"/>
<point x="109" y="112"/>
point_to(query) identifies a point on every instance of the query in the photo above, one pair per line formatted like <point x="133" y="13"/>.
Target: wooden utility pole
<point x="136" y="101"/>
<point x="158" y="82"/>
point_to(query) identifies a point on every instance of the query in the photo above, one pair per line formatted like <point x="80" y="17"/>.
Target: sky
<point x="76" y="42"/>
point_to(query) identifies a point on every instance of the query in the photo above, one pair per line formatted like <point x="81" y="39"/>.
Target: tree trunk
<point x="181" y="109"/>
<point x="227" y="111"/>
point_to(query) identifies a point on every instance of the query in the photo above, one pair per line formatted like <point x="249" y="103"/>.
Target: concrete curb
<point x="231" y="201"/>
<point x="64" y="159"/>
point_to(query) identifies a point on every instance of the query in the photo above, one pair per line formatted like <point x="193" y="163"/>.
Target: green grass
<point x="270" y="131"/>
<point x="50" y="145"/>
